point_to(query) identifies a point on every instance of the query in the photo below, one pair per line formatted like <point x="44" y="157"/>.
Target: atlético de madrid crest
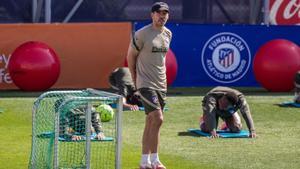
<point x="226" y="57"/>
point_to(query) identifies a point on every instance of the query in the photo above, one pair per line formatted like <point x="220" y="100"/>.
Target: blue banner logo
<point x="226" y="57"/>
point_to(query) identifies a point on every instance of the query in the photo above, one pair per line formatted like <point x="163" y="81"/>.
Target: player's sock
<point x="154" y="157"/>
<point x="145" y="159"/>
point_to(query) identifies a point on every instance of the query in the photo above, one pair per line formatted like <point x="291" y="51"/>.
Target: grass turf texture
<point x="277" y="145"/>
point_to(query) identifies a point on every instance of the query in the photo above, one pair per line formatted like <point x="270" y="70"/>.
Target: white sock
<point x="154" y="157"/>
<point x="145" y="159"/>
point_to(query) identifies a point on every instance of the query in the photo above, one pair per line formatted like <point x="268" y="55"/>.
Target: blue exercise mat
<point x="222" y="133"/>
<point x="289" y="104"/>
<point x="93" y="137"/>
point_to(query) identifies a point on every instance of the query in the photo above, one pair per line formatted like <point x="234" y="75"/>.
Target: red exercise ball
<point x="171" y="66"/>
<point x="34" y="66"/>
<point x="275" y="65"/>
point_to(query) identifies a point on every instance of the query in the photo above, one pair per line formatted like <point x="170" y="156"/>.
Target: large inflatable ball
<point x="171" y="66"/>
<point x="275" y="65"/>
<point x="34" y="66"/>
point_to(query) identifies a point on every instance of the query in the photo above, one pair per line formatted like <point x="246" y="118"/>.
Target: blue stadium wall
<point x="198" y="66"/>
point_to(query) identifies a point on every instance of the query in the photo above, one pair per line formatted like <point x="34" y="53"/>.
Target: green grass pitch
<point x="277" y="145"/>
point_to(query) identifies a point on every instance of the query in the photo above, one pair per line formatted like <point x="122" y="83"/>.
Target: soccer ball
<point x="106" y="112"/>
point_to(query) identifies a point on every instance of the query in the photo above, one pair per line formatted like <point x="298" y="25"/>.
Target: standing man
<point x="224" y="102"/>
<point x="146" y="61"/>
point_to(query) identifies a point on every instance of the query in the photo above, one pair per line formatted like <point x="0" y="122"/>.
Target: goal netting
<point x="65" y="126"/>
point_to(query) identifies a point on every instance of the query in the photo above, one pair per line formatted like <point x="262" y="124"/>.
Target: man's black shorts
<point x="152" y="99"/>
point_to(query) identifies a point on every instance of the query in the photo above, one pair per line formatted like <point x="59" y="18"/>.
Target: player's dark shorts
<point x="152" y="99"/>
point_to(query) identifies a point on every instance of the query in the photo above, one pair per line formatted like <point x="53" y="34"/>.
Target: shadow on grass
<point x="199" y="91"/>
<point x="172" y="91"/>
<point x="287" y="105"/>
<point x="186" y="133"/>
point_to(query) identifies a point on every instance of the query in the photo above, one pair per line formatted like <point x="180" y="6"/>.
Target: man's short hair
<point x="160" y="6"/>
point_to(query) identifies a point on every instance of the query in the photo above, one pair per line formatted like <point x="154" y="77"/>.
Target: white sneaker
<point x="145" y="166"/>
<point x="158" y="165"/>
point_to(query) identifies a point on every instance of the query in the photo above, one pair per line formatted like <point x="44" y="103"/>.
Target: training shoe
<point x="158" y="165"/>
<point x="145" y="166"/>
<point x="223" y="126"/>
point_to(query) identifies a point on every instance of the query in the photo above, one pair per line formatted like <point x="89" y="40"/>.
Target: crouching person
<point x="224" y="102"/>
<point x="72" y="122"/>
<point x="297" y="88"/>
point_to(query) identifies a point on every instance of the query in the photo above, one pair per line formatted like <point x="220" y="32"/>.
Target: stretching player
<point x="224" y="102"/>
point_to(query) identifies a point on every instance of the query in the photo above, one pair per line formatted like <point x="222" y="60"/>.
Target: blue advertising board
<point x="211" y="55"/>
